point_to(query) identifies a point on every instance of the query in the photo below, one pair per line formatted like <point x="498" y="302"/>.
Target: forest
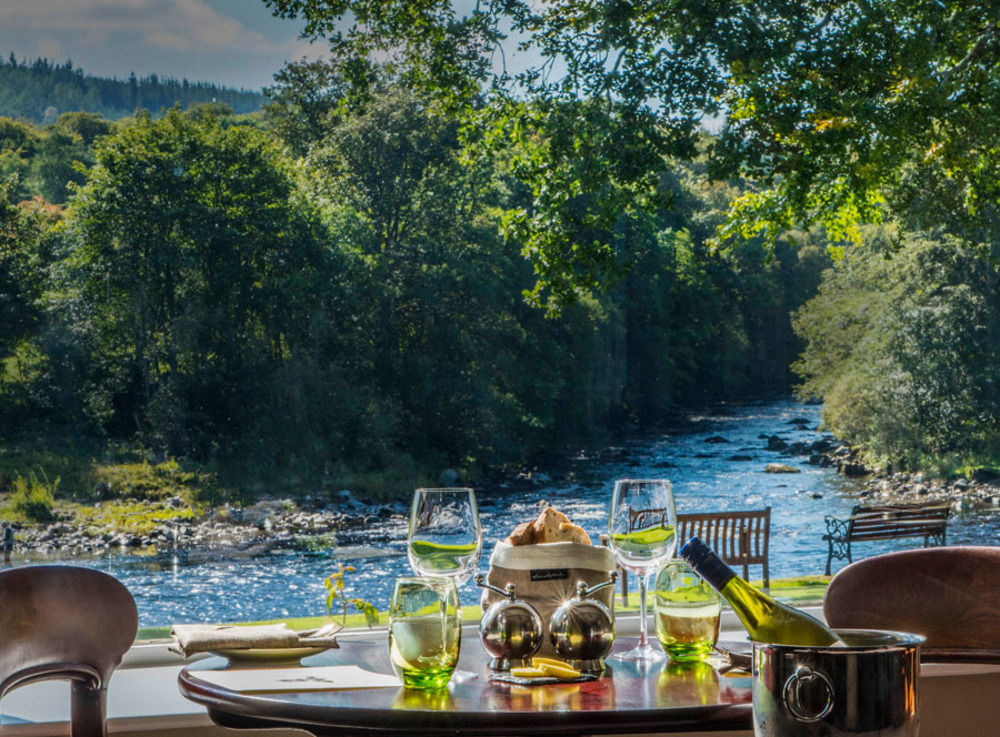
<point x="39" y="90"/>
<point x="208" y="295"/>
<point x="387" y="273"/>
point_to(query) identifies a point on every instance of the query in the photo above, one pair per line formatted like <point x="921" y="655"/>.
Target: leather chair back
<point x="65" y="622"/>
<point x="950" y="595"/>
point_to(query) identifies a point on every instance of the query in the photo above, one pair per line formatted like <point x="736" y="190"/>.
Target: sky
<point x="237" y="43"/>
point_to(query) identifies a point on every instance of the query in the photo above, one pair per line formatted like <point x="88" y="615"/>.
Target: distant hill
<point x="40" y="91"/>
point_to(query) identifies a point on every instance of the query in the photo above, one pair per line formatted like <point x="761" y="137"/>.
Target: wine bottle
<point x="765" y="619"/>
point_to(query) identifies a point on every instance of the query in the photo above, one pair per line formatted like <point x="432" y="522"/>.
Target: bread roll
<point x="523" y="534"/>
<point x="547" y="526"/>
<point x="573" y="533"/>
<point x="551" y="526"/>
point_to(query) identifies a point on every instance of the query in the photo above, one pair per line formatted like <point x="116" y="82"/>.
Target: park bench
<point x="885" y="522"/>
<point x="741" y="538"/>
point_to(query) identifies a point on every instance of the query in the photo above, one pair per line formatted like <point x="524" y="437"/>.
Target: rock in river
<point x="781" y="468"/>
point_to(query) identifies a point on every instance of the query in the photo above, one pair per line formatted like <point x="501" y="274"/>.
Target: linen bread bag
<point x="544" y="559"/>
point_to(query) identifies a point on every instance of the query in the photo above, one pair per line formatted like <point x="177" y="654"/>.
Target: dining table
<point x="627" y="698"/>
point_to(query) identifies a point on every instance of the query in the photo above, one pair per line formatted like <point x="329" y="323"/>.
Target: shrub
<point x="33" y="498"/>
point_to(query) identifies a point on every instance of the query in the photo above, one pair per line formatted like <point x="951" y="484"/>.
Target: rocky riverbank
<point x="881" y="487"/>
<point x="272" y="525"/>
<point x="227" y="531"/>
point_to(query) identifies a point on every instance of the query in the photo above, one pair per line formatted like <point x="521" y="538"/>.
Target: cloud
<point x="169" y="24"/>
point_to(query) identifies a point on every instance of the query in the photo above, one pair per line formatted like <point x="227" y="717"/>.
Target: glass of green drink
<point x="687" y="612"/>
<point x="425" y="631"/>
<point x="642" y="533"/>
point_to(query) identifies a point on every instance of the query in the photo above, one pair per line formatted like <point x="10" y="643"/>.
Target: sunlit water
<point x="167" y="589"/>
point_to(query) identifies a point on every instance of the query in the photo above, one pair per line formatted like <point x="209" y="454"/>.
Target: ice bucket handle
<point x="808" y="694"/>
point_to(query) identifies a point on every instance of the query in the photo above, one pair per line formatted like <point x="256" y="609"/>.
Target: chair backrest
<point x="734" y="536"/>
<point x="640" y="519"/>
<point x="950" y="595"/>
<point x="65" y="622"/>
<point x="740" y="537"/>
<point x="898" y="520"/>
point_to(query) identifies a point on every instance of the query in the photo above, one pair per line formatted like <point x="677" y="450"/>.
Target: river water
<point x="169" y="589"/>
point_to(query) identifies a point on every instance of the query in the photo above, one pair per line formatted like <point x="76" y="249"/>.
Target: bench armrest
<point x="836" y="528"/>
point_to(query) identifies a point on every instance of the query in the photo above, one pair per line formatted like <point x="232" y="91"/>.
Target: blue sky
<point x="233" y="42"/>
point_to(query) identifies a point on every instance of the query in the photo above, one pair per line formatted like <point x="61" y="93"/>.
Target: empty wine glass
<point x="445" y="538"/>
<point x="642" y="533"/>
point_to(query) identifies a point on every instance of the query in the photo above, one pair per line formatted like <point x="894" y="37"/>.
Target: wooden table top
<point x="663" y="697"/>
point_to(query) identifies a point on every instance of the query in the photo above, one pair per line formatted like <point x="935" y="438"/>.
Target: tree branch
<point x="974" y="53"/>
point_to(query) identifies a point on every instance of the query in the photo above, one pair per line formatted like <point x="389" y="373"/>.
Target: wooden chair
<point x="949" y="595"/>
<point x="65" y="622"/>
<point x="741" y="538"/>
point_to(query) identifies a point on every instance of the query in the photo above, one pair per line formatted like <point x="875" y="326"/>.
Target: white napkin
<point x="194" y="638"/>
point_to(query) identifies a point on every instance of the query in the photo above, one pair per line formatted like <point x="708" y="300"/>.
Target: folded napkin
<point x="194" y="638"/>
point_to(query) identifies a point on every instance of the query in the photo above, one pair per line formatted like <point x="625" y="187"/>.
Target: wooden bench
<point x="886" y="522"/>
<point x="741" y="538"/>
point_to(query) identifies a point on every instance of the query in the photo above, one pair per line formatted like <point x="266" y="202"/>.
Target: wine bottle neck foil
<point x="706" y="563"/>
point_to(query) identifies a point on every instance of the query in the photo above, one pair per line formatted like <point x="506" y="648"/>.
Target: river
<point x="169" y="589"/>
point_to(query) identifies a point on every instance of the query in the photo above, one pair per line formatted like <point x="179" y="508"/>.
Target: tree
<point x="196" y="266"/>
<point x="20" y="279"/>
<point x="56" y="165"/>
<point x="303" y="96"/>
<point x="86" y="127"/>
<point x="27" y="244"/>
<point x="904" y="349"/>
<point x="389" y="177"/>
<point x="18" y="142"/>
<point x="827" y="107"/>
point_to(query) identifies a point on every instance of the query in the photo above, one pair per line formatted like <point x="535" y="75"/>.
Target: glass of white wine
<point x="642" y="533"/>
<point x="687" y="612"/>
<point x="445" y="538"/>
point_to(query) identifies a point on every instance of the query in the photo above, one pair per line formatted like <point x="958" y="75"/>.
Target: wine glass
<point x="642" y="533"/>
<point x="445" y="538"/>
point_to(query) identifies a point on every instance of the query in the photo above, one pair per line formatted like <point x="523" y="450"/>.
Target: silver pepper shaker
<point x="510" y="630"/>
<point x="583" y="629"/>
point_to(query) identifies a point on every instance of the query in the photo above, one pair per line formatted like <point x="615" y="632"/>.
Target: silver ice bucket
<point x="867" y="688"/>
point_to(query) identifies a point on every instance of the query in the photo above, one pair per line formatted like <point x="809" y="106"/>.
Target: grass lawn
<point x="800" y="591"/>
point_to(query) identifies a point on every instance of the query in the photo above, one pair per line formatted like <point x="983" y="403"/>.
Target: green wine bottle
<point x="765" y="619"/>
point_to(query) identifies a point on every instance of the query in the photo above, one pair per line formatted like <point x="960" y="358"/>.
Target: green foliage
<point x="155" y="481"/>
<point x="199" y="271"/>
<point x="902" y="344"/>
<point x="17" y="146"/>
<point x="26" y="245"/>
<point x="85" y="127"/>
<point x="335" y="588"/>
<point x="33" y="497"/>
<point x="301" y="101"/>
<point x="129" y="517"/>
<point x="831" y="110"/>
<point x="354" y="318"/>
<point x="19" y="283"/>
<point x="58" y="165"/>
